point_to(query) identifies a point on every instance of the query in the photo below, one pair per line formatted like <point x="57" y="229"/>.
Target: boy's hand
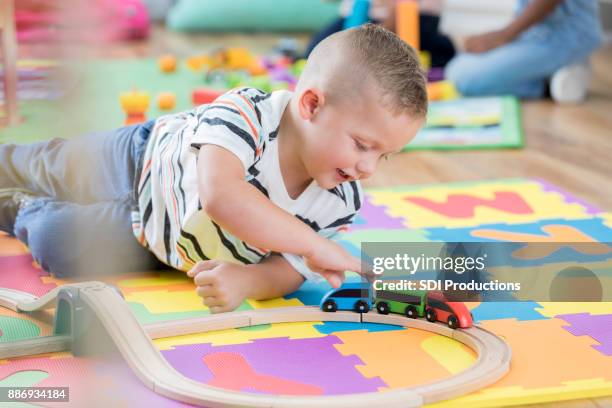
<point x="331" y="260"/>
<point x="223" y="286"/>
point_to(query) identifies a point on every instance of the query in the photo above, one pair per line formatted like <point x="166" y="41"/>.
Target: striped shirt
<point x="170" y="220"/>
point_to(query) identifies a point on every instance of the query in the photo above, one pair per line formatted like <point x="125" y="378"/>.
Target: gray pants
<point x="81" y="224"/>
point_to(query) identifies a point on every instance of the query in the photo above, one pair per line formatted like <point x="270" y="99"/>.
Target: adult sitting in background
<point x="547" y="40"/>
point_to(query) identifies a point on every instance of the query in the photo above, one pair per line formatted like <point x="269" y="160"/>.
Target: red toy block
<point x="205" y="95"/>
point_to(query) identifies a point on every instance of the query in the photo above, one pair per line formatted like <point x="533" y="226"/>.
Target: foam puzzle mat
<point x="561" y="351"/>
<point x="490" y="122"/>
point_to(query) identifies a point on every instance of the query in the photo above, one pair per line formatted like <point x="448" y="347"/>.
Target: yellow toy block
<point x="425" y="60"/>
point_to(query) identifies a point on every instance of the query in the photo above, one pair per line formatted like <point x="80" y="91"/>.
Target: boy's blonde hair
<point x="346" y="62"/>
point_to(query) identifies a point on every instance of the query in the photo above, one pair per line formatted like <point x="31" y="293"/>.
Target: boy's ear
<point x="310" y="103"/>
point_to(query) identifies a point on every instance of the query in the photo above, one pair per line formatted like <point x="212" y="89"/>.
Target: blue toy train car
<point x="358" y="297"/>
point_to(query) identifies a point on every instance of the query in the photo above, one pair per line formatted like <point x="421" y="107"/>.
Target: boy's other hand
<point x="486" y="42"/>
<point x="330" y="260"/>
<point x="221" y="285"/>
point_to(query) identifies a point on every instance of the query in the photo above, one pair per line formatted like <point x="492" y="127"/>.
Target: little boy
<point x="243" y="193"/>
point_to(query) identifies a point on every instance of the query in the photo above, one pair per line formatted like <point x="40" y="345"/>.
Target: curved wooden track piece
<point x="134" y="343"/>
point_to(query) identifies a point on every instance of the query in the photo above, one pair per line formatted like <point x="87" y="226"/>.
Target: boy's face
<point x="347" y="141"/>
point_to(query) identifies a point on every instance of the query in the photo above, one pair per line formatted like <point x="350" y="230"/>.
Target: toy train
<point x="358" y="296"/>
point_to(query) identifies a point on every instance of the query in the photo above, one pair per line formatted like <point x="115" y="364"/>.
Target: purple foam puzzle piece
<point x="313" y="361"/>
<point x="376" y="217"/>
<point x="590" y="209"/>
<point x="599" y="327"/>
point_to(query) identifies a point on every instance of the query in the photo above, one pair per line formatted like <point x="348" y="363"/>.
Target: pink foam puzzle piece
<point x="464" y="205"/>
<point x="20" y="272"/>
<point x="232" y="371"/>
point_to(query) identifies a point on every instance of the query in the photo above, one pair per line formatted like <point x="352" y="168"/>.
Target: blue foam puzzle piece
<point x="507" y="310"/>
<point x="334" y="327"/>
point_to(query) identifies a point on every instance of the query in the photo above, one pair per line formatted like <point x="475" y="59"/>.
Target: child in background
<point x="547" y="38"/>
<point x="382" y="12"/>
<point x="244" y="194"/>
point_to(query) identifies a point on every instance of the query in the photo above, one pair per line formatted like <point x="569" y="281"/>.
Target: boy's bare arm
<point x="246" y="213"/>
<point x="273" y="277"/>
<point x="243" y="210"/>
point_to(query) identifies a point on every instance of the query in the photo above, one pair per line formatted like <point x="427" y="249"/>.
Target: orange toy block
<point x="167" y="63"/>
<point x="166" y="101"/>
<point x="442" y="91"/>
<point x="198" y="62"/>
<point x="407" y="22"/>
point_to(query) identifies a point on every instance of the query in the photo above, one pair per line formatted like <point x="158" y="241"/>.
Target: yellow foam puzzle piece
<point x="552" y="309"/>
<point x="449" y="353"/>
<point x="543" y="204"/>
<point x="163" y="301"/>
<point x="277" y="302"/>
<point x="512" y="396"/>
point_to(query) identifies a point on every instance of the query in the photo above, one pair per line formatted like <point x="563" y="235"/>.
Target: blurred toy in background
<point x="288" y="47"/>
<point x="135" y="104"/>
<point x="97" y="20"/>
<point x="233" y="67"/>
<point x="167" y="63"/>
<point x="124" y="19"/>
<point x="442" y="91"/>
<point x="201" y="96"/>
<point x="166" y="101"/>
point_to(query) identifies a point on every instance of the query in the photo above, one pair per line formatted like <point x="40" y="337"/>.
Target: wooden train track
<point x="134" y="343"/>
